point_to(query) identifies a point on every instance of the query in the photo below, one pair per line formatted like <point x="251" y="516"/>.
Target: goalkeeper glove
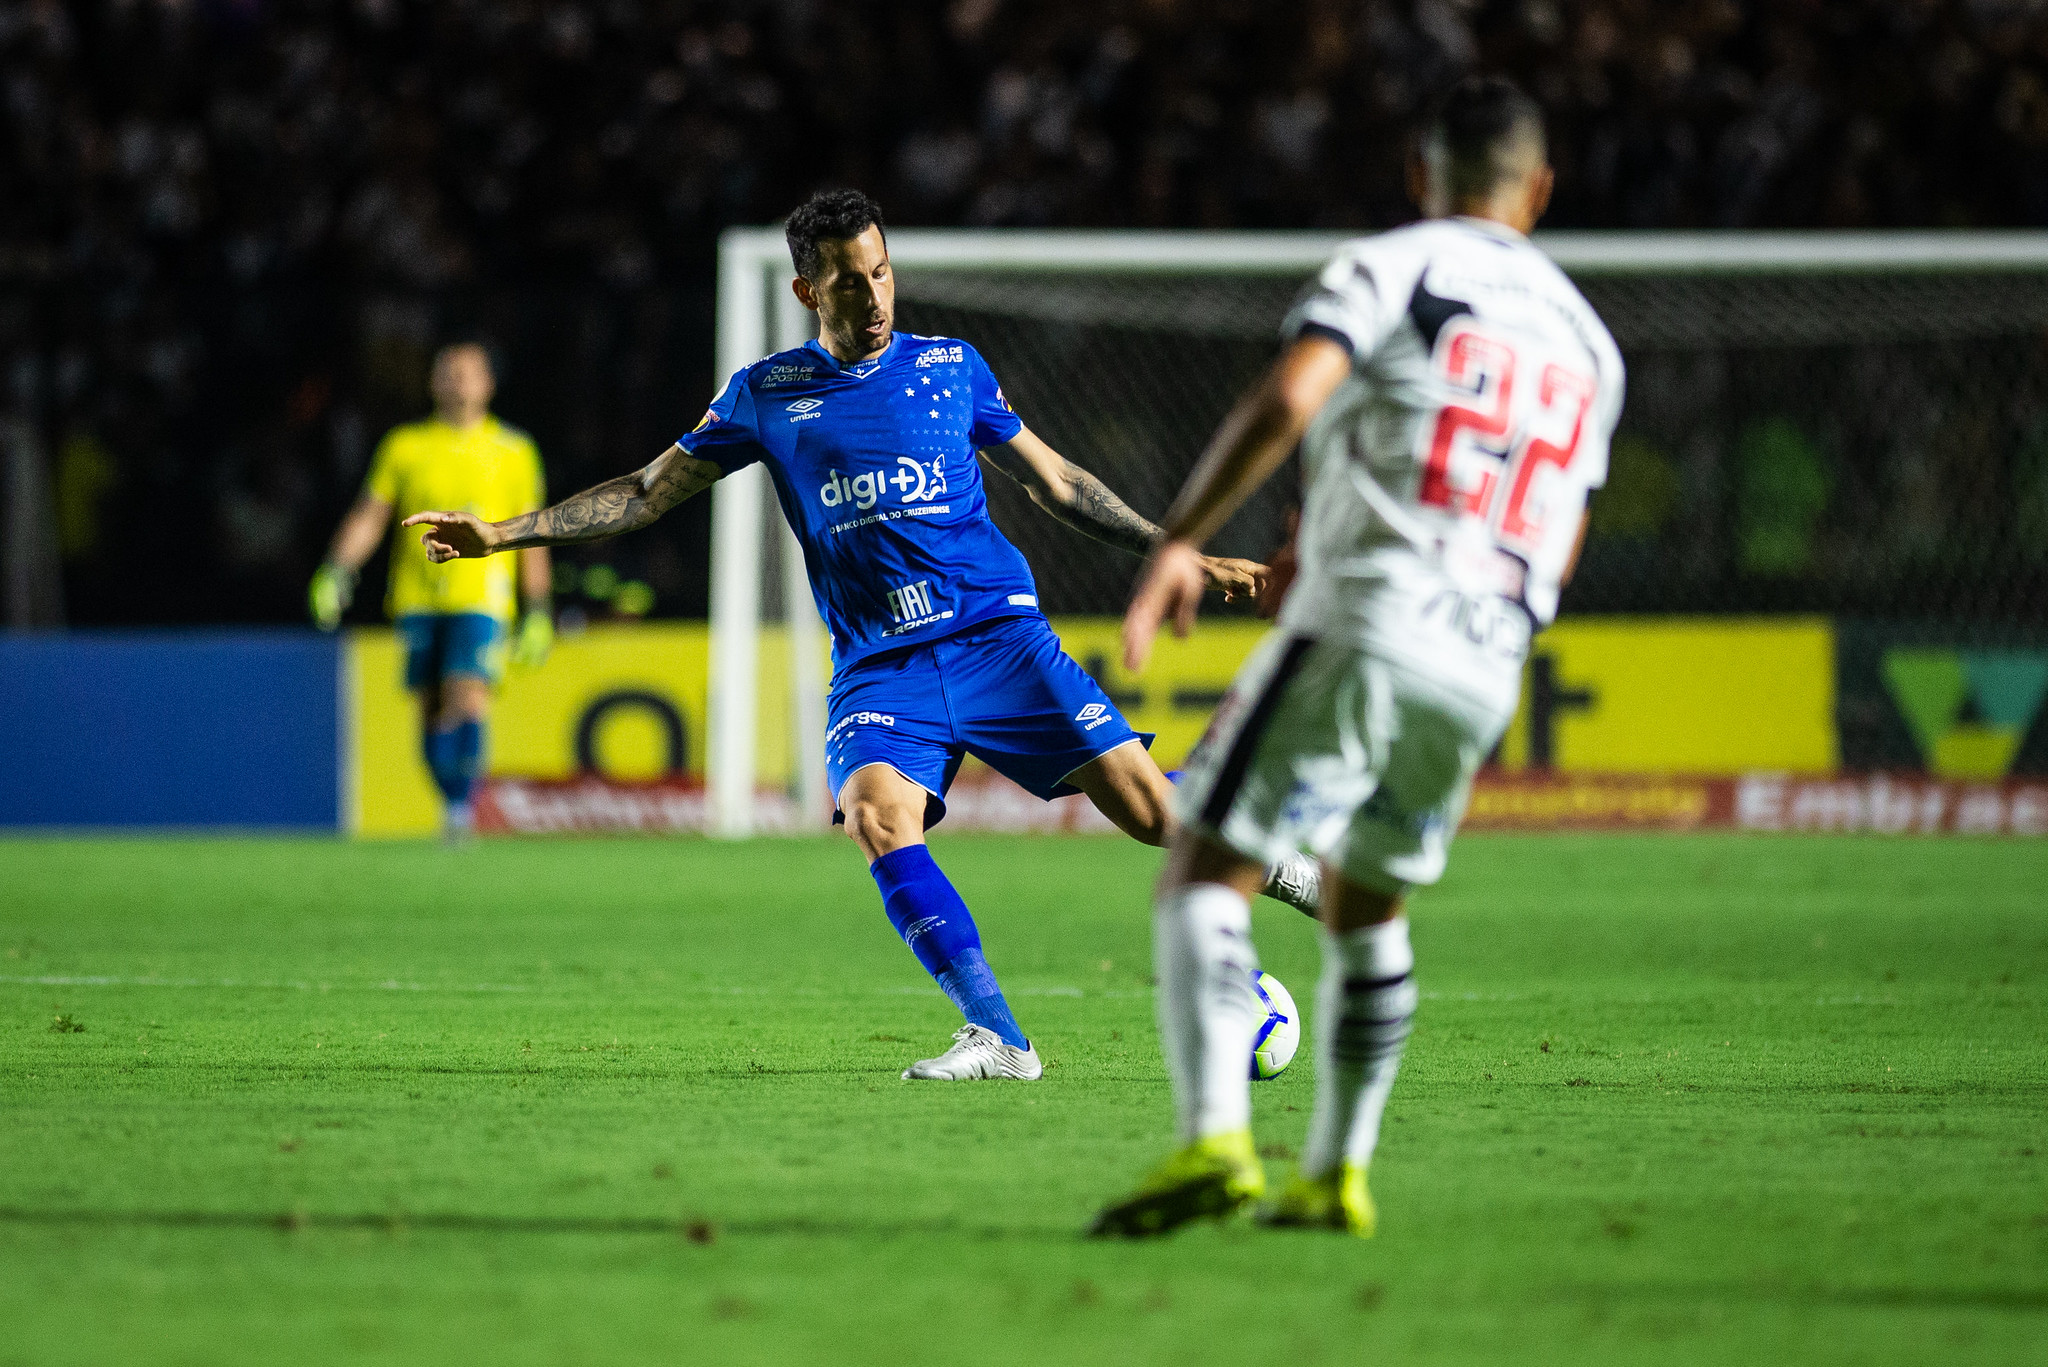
<point x="535" y="639"/>
<point x="332" y="590"/>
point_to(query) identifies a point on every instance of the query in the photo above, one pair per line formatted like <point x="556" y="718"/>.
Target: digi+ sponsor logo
<point x="861" y="491"/>
<point x="914" y="482"/>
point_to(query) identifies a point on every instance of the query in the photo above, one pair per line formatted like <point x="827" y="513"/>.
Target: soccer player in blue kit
<point x="939" y="649"/>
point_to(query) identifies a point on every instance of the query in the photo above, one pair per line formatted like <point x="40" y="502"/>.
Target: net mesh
<point x="1856" y="443"/>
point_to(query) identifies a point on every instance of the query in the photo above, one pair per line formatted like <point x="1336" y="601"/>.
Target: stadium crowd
<point x="218" y="218"/>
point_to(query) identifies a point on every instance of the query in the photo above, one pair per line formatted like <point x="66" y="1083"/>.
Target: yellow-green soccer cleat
<point x="1210" y="1179"/>
<point x="1338" y="1200"/>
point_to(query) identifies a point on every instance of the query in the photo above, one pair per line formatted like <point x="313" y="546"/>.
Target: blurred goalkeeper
<point x="939" y="649"/>
<point x="454" y="617"/>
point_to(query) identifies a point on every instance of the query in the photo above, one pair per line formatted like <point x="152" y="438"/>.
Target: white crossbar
<point x="1593" y="253"/>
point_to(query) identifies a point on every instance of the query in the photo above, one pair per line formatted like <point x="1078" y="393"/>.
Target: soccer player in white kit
<point x="1453" y="396"/>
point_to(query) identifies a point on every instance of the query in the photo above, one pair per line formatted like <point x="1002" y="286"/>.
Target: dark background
<point x="232" y="231"/>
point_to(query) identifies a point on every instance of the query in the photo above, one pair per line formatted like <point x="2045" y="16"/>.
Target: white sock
<point x="1365" y="1003"/>
<point x="1208" y="1011"/>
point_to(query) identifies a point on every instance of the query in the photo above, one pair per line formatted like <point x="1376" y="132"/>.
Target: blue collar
<point x="863" y="369"/>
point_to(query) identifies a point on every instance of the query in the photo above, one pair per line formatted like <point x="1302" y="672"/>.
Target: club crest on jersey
<point x="942" y="355"/>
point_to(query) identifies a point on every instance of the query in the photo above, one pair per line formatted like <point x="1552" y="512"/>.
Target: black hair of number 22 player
<point x="1487" y="131"/>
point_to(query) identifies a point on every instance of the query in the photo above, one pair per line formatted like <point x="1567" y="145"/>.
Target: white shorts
<point x="1330" y="748"/>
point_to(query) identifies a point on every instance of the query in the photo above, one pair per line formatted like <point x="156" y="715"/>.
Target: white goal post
<point x="757" y="315"/>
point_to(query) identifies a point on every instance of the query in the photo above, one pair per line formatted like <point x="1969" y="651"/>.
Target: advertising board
<point x="170" y="729"/>
<point x="1625" y="724"/>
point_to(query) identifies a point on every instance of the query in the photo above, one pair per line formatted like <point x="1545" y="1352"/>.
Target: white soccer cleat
<point x="978" y="1052"/>
<point x="1297" y="880"/>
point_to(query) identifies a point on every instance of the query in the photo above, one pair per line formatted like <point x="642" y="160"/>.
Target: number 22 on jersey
<point x="1492" y="449"/>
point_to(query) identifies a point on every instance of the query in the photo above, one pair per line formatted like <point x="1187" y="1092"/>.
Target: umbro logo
<point x="804" y="405"/>
<point x="1093" y="715"/>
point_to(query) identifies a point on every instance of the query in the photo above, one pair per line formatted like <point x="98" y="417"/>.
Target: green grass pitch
<point x="1668" y="1100"/>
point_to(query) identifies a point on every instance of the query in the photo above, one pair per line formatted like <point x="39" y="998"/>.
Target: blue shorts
<point x="1001" y="691"/>
<point x="438" y="644"/>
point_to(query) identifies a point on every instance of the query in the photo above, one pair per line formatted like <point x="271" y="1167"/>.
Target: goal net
<point x="1854" y="424"/>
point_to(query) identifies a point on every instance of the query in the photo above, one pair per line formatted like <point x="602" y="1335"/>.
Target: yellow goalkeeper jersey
<point x="491" y="470"/>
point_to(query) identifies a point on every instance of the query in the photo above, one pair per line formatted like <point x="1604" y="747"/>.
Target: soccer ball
<point x="1280" y="1033"/>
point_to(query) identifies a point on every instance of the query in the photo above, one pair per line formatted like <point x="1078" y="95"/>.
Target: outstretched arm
<point x="625" y="504"/>
<point x="1254" y="441"/>
<point x="334" y="583"/>
<point x="355" y="541"/>
<point x="1086" y="504"/>
<point x="1071" y="494"/>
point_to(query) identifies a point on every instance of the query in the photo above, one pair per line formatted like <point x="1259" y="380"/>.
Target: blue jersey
<point x="875" y="467"/>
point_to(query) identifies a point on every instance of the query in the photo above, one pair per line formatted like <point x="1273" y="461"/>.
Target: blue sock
<point x="438" y="746"/>
<point x="935" y="923"/>
<point x="453" y="758"/>
<point x="465" y="760"/>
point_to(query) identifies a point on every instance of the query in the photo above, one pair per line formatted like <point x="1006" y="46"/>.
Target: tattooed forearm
<point x="625" y="504"/>
<point x="1095" y="511"/>
<point x="1071" y="494"/>
<point x="617" y="505"/>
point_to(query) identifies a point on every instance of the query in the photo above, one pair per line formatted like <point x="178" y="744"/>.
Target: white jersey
<point x="1445" y="481"/>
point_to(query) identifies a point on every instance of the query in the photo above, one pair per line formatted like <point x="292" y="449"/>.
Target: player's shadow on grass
<point x="696" y="1229"/>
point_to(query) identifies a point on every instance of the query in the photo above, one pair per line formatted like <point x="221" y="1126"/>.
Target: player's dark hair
<point x="828" y="216"/>
<point x="1479" y="126"/>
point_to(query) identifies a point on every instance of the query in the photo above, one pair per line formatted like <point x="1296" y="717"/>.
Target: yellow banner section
<point x="1177" y="693"/>
<point x="1688" y="696"/>
<point x="390" y="794"/>
<point x="1678" y="696"/>
<point x="626" y="701"/>
<point x="1612" y="696"/>
<point x="616" y="699"/>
